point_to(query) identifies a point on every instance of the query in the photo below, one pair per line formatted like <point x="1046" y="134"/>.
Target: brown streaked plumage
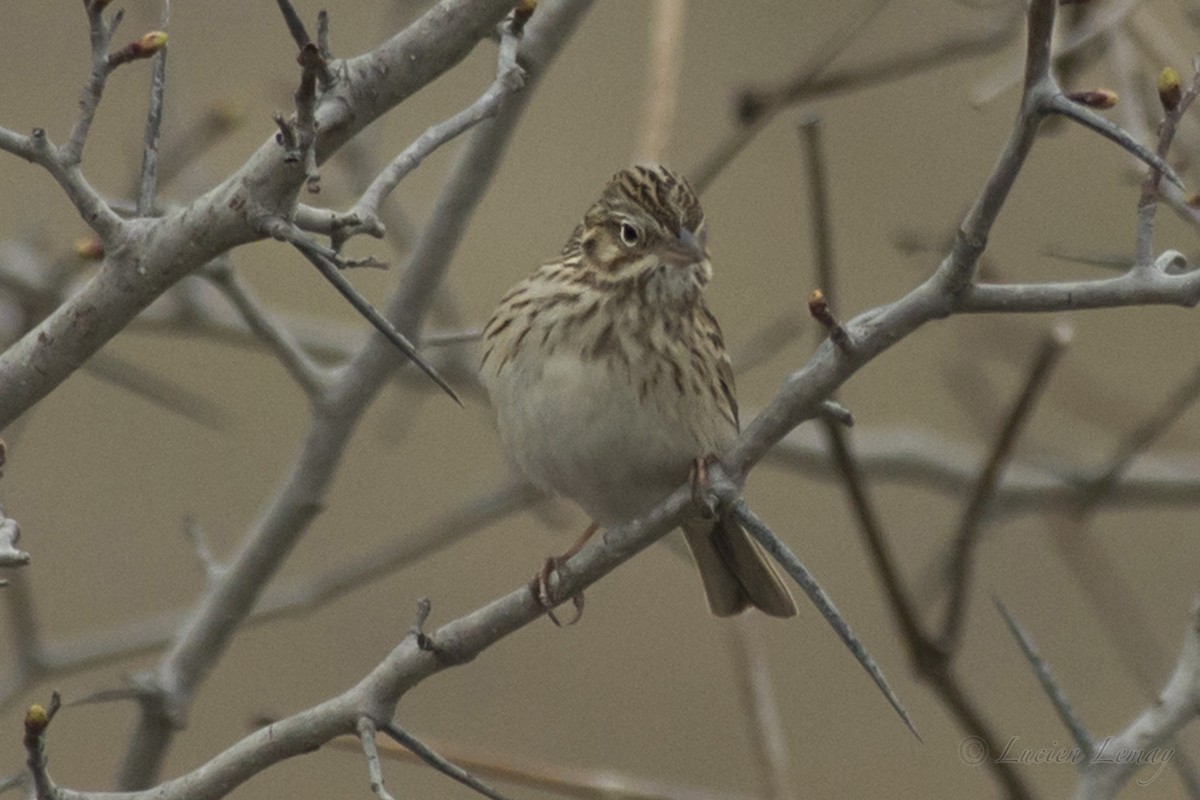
<point x="609" y="375"/>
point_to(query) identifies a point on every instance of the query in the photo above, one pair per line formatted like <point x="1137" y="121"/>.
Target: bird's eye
<point x="629" y="234"/>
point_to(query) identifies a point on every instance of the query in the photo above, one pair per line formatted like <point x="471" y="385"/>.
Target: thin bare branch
<point x="101" y="33"/>
<point x="580" y="782"/>
<point x="148" y="184"/>
<point x="364" y="216"/>
<point x="171" y="247"/>
<point x="199" y="135"/>
<point x="1146" y="741"/>
<point x="161" y="390"/>
<point x="1110" y="17"/>
<point x="1136" y="287"/>
<point x="26" y="647"/>
<point x="1138" y="440"/>
<point x="966" y="537"/>
<point x="434" y="760"/>
<point x="17" y="144"/>
<point x="290" y="353"/>
<point x="753" y="677"/>
<point x="1059" y="103"/>
<point x="213" y="568"/>
<point x="923" y="460"/>
<point x="10" y="534"/>
<point x="295" y="25"/>
<point x="37" y="720"/>
<point x="661" y="95"/>
<point x="815" y="79"/>
<point x="1148" y="202"/>
<point x="1057" y="696"/>
<point x="70" y="655"/>
<point x="366" y="739"/>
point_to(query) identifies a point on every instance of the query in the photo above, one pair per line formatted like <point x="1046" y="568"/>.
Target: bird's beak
<point x="688" y="249"/>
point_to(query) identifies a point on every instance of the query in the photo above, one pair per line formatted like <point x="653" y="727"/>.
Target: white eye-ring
<point x="629" y="234"/>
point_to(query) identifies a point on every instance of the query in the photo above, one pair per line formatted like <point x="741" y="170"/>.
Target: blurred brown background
<point x="100" y="480"/>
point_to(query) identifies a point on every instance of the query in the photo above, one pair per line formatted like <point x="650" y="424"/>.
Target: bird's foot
<point x="698" y="476"/>
<point x="542" y="592"/>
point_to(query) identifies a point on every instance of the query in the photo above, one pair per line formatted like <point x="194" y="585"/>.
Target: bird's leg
<point x="541" y="581"/>
<point x="698" y="477"/>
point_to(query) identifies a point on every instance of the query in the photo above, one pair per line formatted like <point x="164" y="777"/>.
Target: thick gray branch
<point x="151" y="255"/>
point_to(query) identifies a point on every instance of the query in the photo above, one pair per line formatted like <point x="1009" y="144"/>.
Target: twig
<point x="661" y="95"/>
<point x="1110" y="17"/>
<point x="198" y="136"/>
<point x="337" y="581"/>
<point x="767" y="736"/>
<point x="17" y="144"/>
<point x="805" y="580"/>
<point x="914" y="458"/>
<point x="358" y="161"/>
<point x="836" y="436"/>
<point x="65" y="170"/>
<point x="213" y="568"/>
<point x="1136" y="115"/>
<point x="815" y="79"/>
<point x="37" y="720"/>
<point x="154" y="114"/>
<point x="930" y="662"/>
<point x="850" y="474"/>
<point x="1115" y="603"/>
<point x="73" y="654"/>
<point x="1140" y="439"/>
<point x="833" y="411"/>
<point x="295" y="25"/>
<point x="26" y="646"/>
<point x="437" y="762"/>
<point x="146" y="46"/>
<point x="366" y="738"/>
<point x="818" y="200"/>
<point x="101" y="36"/>
<point x="364" y="216"/>
<point x="756" y="108"/>
<point x="820" y="300"/>
<point x="159" y="389"/>
<point x="1058" y="103"/>
<point x="587" y="784"/>
<point x="1176" y="102"/>
<point x="1144" y="740"/>
<point x="323" y="34"/>
<point x="10" y="534"/>
<point x="290" y="353"/>
<point x="967" y="535"/>
<point x="1140" y="287"/>
<point x="1059" y="698"/>
<point x="16" y="781"/>
<point x="311" y="65"/>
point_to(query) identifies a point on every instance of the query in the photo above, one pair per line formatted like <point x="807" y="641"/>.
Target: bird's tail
<point x="735" y="571"/>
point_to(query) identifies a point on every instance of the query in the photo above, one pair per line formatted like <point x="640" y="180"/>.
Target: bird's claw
<point x="698" y="476"/>
<point x="545" y="596"/>
<point x="541" y="582"/>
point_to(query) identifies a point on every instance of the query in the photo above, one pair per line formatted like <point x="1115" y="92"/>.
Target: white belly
<point x="580" y="429"/>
